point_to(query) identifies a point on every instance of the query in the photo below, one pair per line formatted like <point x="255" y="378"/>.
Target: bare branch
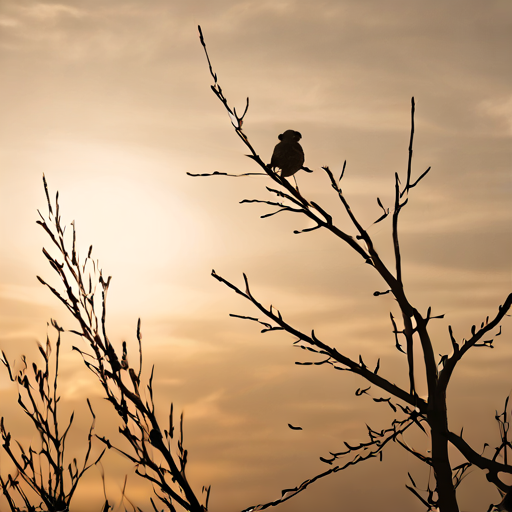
<point x="325" y="349"/>
<point x="458" y="353"/>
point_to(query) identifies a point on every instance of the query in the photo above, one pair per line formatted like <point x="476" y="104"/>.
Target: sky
<point x="112" y="102"/>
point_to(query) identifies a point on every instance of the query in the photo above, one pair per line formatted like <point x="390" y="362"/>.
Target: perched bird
<point x="288" y="154"/>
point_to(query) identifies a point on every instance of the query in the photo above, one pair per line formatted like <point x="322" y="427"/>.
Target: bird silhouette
<point x="288" y="154"/>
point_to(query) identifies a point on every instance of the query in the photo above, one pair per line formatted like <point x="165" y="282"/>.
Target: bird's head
<point x="290" y="135"/>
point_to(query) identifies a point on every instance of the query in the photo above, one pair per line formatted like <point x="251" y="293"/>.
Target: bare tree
<point x="410" y="331"/>
<point x="158" y="453"/>
<point x="44" y="469"/>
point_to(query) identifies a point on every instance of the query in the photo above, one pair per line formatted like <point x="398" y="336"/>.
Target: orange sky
<point x="112" y="101"/>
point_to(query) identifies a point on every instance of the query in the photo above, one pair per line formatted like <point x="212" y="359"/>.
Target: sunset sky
<point x="111" y="100"/>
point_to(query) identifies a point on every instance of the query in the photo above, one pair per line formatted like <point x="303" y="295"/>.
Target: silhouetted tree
<point x="158" y="454"/>
<point x="80" y="285"/>
<point x="412" y="330"/>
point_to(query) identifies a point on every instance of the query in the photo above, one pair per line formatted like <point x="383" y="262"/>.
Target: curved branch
<point x="327" y="350"/>
<point x="475" y="458"/>
<point x="452" y="361"/>
<point x="380" y="444"/>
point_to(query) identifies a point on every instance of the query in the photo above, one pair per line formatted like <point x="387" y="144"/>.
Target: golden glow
<point x="112" y="102"/>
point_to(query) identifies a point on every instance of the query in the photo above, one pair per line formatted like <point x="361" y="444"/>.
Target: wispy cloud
<point x="51" y="10"/>
<point x="499" y="109"/>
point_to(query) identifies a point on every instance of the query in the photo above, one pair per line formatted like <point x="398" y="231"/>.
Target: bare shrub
<point x="44" y="469"/>
<point x="84" y="294"/>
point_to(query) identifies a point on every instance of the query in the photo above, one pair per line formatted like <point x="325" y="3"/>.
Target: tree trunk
<point x="447" y="500"/>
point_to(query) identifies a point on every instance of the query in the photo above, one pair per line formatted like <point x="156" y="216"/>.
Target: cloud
<point x="33" y="295"/>
<point x="8" y="22"/>
<point x="499" y="110"/>
<point x="49" y="10"/>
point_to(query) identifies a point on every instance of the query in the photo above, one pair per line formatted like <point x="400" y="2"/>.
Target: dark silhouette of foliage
<point x="82" y="282"/>
<point x="44" y="469"/>
<point x="412" y="331"/>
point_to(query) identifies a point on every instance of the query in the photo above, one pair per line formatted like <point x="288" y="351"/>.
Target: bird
<point x="288" y="154"/>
